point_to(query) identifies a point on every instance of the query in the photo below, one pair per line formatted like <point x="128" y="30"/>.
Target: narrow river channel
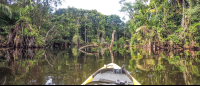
<point x="72" y="67"/>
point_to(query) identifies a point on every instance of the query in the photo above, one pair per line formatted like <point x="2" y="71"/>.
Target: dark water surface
<point x="73" y="67"/>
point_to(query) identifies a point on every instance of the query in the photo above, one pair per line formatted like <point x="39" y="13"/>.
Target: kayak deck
<point x="111" y="74"/>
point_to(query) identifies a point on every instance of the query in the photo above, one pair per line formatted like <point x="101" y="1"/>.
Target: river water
<point x="72" y="67"/>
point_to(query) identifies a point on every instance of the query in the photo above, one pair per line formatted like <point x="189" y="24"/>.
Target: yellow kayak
<point x="111" y="74"/>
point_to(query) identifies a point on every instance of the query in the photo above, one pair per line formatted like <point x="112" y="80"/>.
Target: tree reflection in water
<point x="165" y="68"/>
<point x="72" y="67"/>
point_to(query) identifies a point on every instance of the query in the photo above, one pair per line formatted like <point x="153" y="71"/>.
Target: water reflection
<point x="166" y="67"/>
<point x="72" y="67"/>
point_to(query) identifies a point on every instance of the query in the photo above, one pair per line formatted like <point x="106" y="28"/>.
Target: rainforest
<point x="40" y="44"/>
<point x="162" y="24"/>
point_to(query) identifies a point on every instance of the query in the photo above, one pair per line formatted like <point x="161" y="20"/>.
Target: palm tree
<point x="5" y="9"/>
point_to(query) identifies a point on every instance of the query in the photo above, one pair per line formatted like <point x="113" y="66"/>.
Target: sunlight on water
<point x="49" y="81"/>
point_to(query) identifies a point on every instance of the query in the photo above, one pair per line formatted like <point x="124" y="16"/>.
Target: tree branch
<point x="48" y="33"/>
<point x="47" y="60"/>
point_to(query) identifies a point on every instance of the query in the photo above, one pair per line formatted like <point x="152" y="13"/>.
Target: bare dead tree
<point x="111" y="45"/>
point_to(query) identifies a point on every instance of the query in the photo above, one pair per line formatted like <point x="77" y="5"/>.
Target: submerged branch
<point x="92" y="45"/>
<point x="47" y="60"/>
<point x="24" y="73"/>
<point x="88" y="53"/>
<point x="112" y="57"/>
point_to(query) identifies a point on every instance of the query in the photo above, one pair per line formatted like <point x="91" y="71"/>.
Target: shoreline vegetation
<point x="172" y="24"/>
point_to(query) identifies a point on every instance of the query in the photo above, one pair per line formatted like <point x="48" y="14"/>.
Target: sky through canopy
<point x="106" y="7"/>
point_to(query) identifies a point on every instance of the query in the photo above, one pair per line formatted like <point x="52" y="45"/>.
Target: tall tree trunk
<point x="130" y="44"/>
<point x="124" y="34"/>
<point x="183" y="16"/>
<point x="66" y="45"/>
<point x="164" y="19"/>
<point x="189" y="19"/>
<point x="77" y="31"/>
<point x="183" y="23"/>
<point x="149" y="42"/>
<point x="155" y="7"/>
<point x="88" y="37"/>
<point x="85" y="35"/>
<point x="98" y="33"/>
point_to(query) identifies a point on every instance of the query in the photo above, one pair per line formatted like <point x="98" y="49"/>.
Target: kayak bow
<point x="111" y="74"/>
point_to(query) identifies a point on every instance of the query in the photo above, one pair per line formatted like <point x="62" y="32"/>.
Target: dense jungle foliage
<point x="175" y="22"/>
<point x="32" y="23"/>
<point x="36" y="23"/>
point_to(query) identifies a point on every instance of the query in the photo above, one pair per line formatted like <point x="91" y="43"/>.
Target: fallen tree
<point x="93" y="45"/>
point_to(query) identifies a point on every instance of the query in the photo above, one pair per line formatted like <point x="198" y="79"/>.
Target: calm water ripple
<point x="73" y="67"/>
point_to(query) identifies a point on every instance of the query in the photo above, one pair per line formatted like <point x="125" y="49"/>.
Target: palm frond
<point x="141" y="27"/>
<point x="6" y="9"/>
